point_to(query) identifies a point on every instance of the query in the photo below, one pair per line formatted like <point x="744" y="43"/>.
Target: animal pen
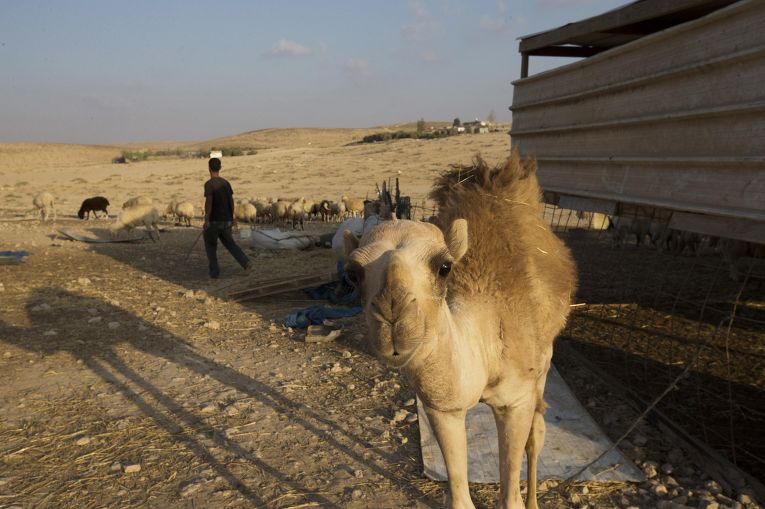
<point x="662" y="120"/>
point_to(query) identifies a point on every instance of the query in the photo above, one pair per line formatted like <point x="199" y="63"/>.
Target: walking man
<point x="219" y="218"/>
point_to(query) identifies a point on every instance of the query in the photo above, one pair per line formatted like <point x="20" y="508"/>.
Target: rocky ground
<point x="130" y="380"/>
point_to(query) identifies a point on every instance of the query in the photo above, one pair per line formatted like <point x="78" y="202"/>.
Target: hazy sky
<point x="104" y="71"/>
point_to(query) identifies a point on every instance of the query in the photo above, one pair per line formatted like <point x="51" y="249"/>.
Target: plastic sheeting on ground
<point x="277" y="239"/>
<point x="316" y="314"/>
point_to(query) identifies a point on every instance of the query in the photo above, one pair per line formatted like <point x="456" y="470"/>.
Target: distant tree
<point x="421" y="125"/>
<point x="457" y="122"/>
<point x="492" y="117"/>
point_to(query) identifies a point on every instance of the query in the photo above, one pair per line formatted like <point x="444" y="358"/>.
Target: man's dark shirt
<point x="220" y="192"/>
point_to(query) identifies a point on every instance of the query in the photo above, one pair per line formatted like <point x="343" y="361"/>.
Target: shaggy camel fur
<point x="469" y="312"/>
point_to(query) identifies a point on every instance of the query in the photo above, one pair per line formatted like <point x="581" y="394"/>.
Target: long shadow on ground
<point x="98" y="351"/>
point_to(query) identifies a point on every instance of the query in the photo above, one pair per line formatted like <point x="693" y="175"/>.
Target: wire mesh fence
<point x="650" y="301"/>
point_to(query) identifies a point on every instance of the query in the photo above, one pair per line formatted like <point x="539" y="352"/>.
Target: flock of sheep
<point x="296" y="211"/>
<point x="140" y="211"/>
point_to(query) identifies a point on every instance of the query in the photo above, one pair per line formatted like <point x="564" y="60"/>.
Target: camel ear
<point x="457" y="239"/>
<point x="350" y="242"/>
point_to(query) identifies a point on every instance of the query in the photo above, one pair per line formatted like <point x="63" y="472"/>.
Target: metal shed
<point x="665" y="114"/>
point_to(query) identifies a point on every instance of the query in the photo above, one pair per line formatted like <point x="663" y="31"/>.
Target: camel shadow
<point x="96" y="347"/>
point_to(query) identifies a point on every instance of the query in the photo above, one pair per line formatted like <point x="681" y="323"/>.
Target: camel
<point x="469" y="309"/>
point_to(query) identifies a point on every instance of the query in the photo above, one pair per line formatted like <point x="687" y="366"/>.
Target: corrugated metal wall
<point x="675" y="120"/>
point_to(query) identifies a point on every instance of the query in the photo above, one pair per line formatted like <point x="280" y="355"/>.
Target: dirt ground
<point x="130" y="380"/>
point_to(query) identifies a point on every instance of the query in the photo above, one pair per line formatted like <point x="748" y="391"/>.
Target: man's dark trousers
<point x="221" y="230"/>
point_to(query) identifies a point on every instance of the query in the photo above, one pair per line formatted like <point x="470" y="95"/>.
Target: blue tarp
<point x="316" y="314"/>
<point x="12" y="257"/>
<point x="337" y="292"/>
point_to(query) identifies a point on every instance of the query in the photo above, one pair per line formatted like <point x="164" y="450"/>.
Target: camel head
<point x="401" y="270"/>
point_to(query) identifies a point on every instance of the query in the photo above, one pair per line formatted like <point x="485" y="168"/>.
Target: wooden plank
<point x="282" y="286"/>
<point x="706" y="65"/>
<point x="94" y="238"/>
<point x="725" y="32"/>
<point x="677" y="115"/>
<point x="573" y="440"/>
<point x="611" y="21"/>
<point x="739" y="229"/>
<point x="565" y="51"/>
<point x="729" y="86"/>
<point x="587" y="204"/>
<point x="737" y="135"/>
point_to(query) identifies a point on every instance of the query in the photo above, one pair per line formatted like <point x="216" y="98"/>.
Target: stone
<point x="708" y="504"/>
<point x="93" y="311"/>
<point x="116" y="467"/>
<point x="400" y="415"/>
<point x="212" y="325"/>
<point x="208" y="408"/>
<point x="746" y="499"/>
<point x="50" y="333"/>
<point x="725" y="500"/>
<point x="94" y="319"/>
<point x="346" y="354"/>
<point x="713" y="487"/>
<point x="190" y="489"/>
<point x="133" y="468"/>
<point x="649" y="470"/>
<point x="667" y="468"/>
<point x="83" y="281"/>
<point x="189" y="294"/>
<point x="411" y="417"/>
<point x="660" y="490"/>
<point x="409" y="402"/>
<point x="113" y="325"/>
<point x="83" y="441"/>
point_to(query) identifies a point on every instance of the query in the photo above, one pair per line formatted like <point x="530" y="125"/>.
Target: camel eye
<point x="445" y="269"/>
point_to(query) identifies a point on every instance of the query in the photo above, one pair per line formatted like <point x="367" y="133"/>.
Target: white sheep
<point x="296" y="213"/>
<point x="262" y="207"/>
<point x="245" y="212"/>
<point x="43" y="201"/>
<point x="170" y="209"/>
<point x="354" y="207"/>
<point x="132" y="217"/>
<point x="279" y="210"/>
<point x="184" y="211"/>
<point x="338" y="211"/>
<point x="138" y="200"/>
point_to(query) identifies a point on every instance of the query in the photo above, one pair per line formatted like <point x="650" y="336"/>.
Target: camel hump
<point x="464" y="185"/>
<point x="511" y="250"/>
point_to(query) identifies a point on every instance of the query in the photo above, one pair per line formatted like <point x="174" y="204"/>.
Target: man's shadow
<point x="96" y="346"/>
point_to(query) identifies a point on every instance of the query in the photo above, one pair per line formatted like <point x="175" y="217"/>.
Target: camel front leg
<point x="449" y="428"/>
<point x="513" y="428"/>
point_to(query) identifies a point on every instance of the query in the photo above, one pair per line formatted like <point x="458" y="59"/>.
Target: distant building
<point x="216" y="153"/>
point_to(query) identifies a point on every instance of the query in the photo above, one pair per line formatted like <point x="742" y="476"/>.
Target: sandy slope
<point x="314" y="163"/>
